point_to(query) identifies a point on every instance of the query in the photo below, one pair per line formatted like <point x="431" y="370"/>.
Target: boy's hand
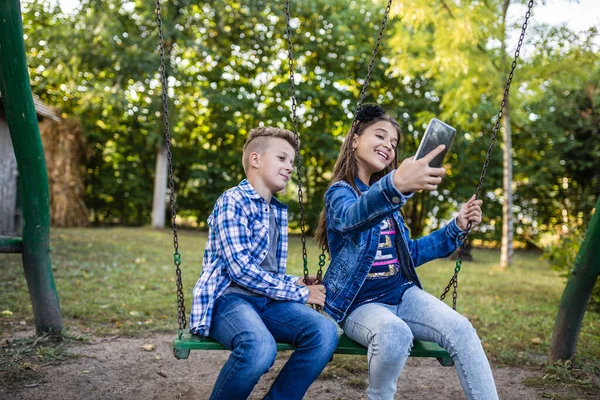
<point x="470" y="212"/>
<point x="312" y="279"/>
<point x="317" y="292"/>
<point x="317" y="295"/>
<point x="413" y="175"/>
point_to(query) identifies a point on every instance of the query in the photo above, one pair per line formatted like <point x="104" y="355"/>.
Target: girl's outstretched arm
<point x="438" y="244"/>
<point x="444" y="241"/>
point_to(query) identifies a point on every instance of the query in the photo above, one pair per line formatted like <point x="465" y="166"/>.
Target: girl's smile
<point x="375" y="149"/>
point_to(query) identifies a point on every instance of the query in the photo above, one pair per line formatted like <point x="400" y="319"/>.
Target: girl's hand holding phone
<point x="413" y="175"/>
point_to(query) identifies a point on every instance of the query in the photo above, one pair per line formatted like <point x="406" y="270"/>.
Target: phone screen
<point x="437" y="133"/>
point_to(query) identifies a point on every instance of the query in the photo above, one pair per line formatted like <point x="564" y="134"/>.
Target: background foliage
<point x="229" y="73"/>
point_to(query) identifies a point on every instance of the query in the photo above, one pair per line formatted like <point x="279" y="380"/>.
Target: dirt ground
<point x="120" y="368"/>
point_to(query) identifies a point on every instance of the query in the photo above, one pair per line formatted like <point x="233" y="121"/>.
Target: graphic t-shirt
<point x="385" y="282"/>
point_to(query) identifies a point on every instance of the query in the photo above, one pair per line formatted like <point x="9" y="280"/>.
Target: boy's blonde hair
<point x="258" y="141"/>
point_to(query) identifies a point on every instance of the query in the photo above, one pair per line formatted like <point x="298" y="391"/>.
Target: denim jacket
<point x="353" y="235"/>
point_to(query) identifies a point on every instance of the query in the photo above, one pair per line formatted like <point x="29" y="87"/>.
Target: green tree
<point x="89" y="65"/>
<point x="455" y="47"/>
<point x="228" y="70"/>
<point x="557" y="155"/>
<point x="462" y="49"/>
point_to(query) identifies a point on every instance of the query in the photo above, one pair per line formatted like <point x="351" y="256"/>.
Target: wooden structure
<point x="10" y="212"/>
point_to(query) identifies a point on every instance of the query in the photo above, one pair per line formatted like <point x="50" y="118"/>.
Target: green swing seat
<point x="182" y="347"/>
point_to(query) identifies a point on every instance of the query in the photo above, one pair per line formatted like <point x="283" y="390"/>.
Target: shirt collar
<point x="247" y="188"/>
<point x="360" y="184"/>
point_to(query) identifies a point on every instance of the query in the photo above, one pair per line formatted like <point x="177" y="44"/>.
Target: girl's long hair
<point x="346" y="169"/>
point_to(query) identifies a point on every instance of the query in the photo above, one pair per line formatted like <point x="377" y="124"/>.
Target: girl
<point x="373" y="291"/>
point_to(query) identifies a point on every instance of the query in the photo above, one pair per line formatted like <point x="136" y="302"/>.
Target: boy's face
<point x="276" y="164"/>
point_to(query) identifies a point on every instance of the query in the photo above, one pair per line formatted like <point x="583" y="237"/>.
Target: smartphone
<point x="437" y="133"/>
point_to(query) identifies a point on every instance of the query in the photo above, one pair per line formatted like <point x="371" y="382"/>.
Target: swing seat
<point x="182" y="347"/>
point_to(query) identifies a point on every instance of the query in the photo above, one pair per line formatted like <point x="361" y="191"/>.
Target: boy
<point x="243" y="298"/>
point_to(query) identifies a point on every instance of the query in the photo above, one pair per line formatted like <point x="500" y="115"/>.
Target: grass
<point x="122" y="281"/>
<point x="22" y="359"/>
<point x="576" y="380"/>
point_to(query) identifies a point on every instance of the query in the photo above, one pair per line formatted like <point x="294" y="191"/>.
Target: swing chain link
<point x="181" y="318"/>
<point x="454" y="280"/>
<point x="299" y="165"/>
<point x="297" y="138"/>
<point x="321" y="263"/>
<point x="363" y="91"/>
<point x="361" y="97"/>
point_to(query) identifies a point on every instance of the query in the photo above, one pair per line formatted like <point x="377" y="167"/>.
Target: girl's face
<point x="375" y="148"/>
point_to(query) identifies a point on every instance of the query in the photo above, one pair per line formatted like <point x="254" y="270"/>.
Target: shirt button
<point x="396" y="200"/>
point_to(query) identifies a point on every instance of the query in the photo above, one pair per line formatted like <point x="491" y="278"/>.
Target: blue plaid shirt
<point x="238" y="241"/>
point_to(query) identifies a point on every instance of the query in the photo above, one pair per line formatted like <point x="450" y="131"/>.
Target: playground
<point x="118" y="368"/>
<point x="96" y="292"/>
<point x="132" y="306"/>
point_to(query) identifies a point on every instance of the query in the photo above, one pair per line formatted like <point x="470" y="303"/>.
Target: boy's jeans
<point x="249" y="326"/>
<point x="388" y="332"/>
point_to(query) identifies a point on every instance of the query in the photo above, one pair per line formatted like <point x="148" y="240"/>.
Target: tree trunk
<point x="577" y="293"/>
<point x="506" y="255"/>
<point x="160" y="189"/>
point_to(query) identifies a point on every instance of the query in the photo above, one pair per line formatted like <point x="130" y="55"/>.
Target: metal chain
<point x="299" y="165"/>
<point x="296" y="137"/>
<point x="454" y="280"/>
<point x="361" y="97"/>
<point x="363" y="91"/>
<point x="181" y="319"/>
<point x="321" y="263"/>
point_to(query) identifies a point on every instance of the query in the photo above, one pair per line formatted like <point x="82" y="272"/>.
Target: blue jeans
<point x="388" y="332"/>
<point x="250" y="326"/>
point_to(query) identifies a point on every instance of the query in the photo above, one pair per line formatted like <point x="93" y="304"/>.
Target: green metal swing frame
<point x="19" y="109"/>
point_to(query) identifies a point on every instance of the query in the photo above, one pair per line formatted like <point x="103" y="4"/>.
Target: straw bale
<point x="64" y="148"/>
